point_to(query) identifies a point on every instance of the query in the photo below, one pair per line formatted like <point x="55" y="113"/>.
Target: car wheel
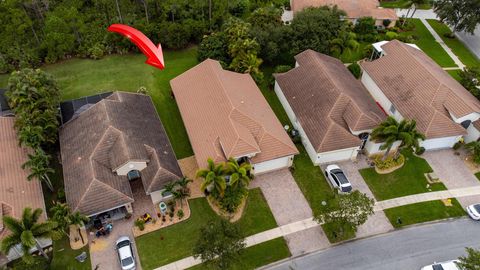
<point x="326" y="173"/>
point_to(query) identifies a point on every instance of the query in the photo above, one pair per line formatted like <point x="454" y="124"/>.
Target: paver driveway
<point x="453" y="172"/>
<point x="289" y="205"/>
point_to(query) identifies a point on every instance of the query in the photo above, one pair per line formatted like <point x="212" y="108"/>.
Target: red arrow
<point x="154" y="54"/>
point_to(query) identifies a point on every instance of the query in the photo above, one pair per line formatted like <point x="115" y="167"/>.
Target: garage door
<point x="271" y="165"/>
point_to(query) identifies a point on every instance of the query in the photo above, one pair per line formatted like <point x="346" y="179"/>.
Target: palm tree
<point x="409" y="136"/>
<point x="239" y="174"/>
<point x="474" y="148"/>
<point x="345" y="41"/>
<point x="38" y="163"/>
<point x="26" y="231"/>
<point x="31" y="136"/>
<point x="214" y="178"/>
<point x="169" y="187"/>
<point x="387" y="132"/>
<point x="183" y="183"/>
<point x="78" y="220"/>
<point x="61" y="214"/>
<point x="180" y="194"/>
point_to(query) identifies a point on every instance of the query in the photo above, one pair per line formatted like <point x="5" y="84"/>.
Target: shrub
<point x="420" y="151"/>
<point x="232" y="199"/>
<point x="282" y="68"/>
<point x="389" y="162"/>
<point x="386" y="22"/>
<point x="365" y="26"/>
<point x="367" y="51"/>
<point x="391" y="35"/>
<point x="457" y="145"/>
<point x="355" y="70"/>
<point x="180" y="214"/>
<point x="97" y="51"/>
<point x="406" y="39"/>
<point x="140" y="223"/>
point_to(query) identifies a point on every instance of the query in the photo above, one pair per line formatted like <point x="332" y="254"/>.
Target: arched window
<point x="133" y="175"/>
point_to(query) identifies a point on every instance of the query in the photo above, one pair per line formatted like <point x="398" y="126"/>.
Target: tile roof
<point x="354" y="8"/>
<point x="421" y="90"/>
<point x="226" y="115"/>
<point x="328" y="101"/>
<point x="122" y="127"/>
<point x="16" y="192"/>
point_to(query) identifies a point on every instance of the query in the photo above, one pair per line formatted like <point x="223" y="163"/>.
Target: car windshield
<point x="123" y="244"/>
<point x="340" y="176"/>
<point x="127" y="261"/>
<point x="477" y="207"/>
<point x="437" y="267"/>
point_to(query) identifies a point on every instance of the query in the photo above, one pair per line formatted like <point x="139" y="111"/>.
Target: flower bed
<point x="388" y="165"/>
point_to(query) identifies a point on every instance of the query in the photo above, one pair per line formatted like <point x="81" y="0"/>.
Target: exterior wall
<point x="291" y="115"/>
<point x="473" y="134"/>
<point x="271" y="165"/>
<point x="373" y="148"/>
<point x="131" y="165"/>
<point x="339" y="155"/>
<point x="157" y="197"/>
<point x="472" y="117"/>
<point x="379" y="96"/>
<point x="440" y="143"/>
<point x="16" y="252"/>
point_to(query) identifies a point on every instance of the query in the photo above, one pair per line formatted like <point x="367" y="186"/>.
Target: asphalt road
<point x="410" y="248"/>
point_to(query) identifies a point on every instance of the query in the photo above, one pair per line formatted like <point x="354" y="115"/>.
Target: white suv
<point x="448" y="265"/>
<point x="338" y="179"/>
<point x="474" y="211"/>
<point x="125" y="253"/>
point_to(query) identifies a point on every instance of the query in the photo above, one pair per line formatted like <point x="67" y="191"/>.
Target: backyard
<point x="402" y="4"/>
<point x="175" y="242"/>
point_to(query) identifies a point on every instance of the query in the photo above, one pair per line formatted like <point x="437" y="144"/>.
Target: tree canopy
<point x="461" y="15"/>
<point x="471" y="261"/>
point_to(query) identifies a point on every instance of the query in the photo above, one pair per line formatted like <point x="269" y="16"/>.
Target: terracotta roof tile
<point x="354" y="8"/>
<point x="328" y="101"/>
<point x="226" y="115"/>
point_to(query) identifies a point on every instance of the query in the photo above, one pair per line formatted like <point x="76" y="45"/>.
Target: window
<point x="465" y="124"/>
<point x="133" y="175"/>
<point x="392" y="109"/>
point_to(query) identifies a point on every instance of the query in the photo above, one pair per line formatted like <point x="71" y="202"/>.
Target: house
<point x="107" y="145"/>
<point x="331" y="110"/>
<point x="354" y="9"/>
<point x="16" y="192"/>
<point x="226" y="116"/>
<point x="408" y="84"/>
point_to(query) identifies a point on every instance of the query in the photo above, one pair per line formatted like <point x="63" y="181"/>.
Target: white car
<point x="448" y="265"/>
<point x="125" y="253"/>
<point x="338" y="179"/>
<point x="474" y="211"/>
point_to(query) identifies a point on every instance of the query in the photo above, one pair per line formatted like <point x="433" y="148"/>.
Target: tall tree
<point x="471" y="261"/>
<point x="461" y="15"/>
<point x="214" y="178"/>
<point x="26" y="232"/>
<point x="38" y="165"/>
<point x="219" y="244"/>
<point x="239" y="174"/>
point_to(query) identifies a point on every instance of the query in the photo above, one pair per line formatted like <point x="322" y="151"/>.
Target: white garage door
<point x="439" y="143"/>
<point x="345" y="154"/>
<point x="271" y="165"/>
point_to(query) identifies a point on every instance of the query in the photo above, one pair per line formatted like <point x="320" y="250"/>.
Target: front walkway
<point x="288" y="205"/>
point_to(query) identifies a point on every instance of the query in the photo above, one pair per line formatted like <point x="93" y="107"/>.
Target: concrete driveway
<point x="288" y="205"/>
<point x="453" y="172"/>
<point x="378" y="222"/>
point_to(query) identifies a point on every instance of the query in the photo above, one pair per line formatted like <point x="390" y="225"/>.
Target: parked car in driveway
<point x="337" y="178"/>
<point x="125" y="253"/>
<point x="448" y="265"/>
<point x="474" y="211"/>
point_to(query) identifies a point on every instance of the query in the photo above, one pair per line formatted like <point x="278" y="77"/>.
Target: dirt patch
<point x="189" y="168"/>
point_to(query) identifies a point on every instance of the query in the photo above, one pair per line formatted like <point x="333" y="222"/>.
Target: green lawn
<point x="405" y="181"/>
<point x="463" y="53"/>
<point x="83" y="77"/>
<point x="175" y="242"/>
<point x="64" y="257"/>
<point x="428" y="44"/>
<point x="401" y="4"/>
<point x="478" y="175"/>
<point x="423" y="212"/>
<point x="455" y="74"/>
<point x="258" y="255"/>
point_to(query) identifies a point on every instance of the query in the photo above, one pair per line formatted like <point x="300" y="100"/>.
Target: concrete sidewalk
<point x="425" y="197"/>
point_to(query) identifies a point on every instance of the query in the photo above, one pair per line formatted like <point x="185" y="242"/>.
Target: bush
<point x="174" y="35"/>
<point x="457" y="145"/>
<point x="407" y="26"/>
<point x="180" y="214"/>
<point x="389" y="162"/>
<point x="232" y="198"/>
<point x="386" y="22"/>
<point x="214" y="46"/>
<point x="391" y="35"/>
<point x="365" y="26"/>
<point x="140" y="223"/>
<point x="420" y="151"/>
<point x="282" y="69"/>
<point x="355" y="70"/>
<point x="97" y="51"/>
<point x="367" y="51"/>
<point x="406" y="39"/>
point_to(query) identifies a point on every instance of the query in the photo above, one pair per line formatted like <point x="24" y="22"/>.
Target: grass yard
<point x="463" y="53"/>
<point x="64" y="257"/>
<point x="258" y="255"/>
<point x="478" y="175"/>
<point x="455" y="74"/>
<point x="405" y="181"/>
<point x="428" y="44"/>
<point x="175" y="242"/>
<point x="83" y="77"/>
<point x="402" y="4"/>
<point x="423" y="212"/>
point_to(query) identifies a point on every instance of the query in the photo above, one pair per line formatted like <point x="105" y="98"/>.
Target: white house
<point x="406" y="83"/>
<point x="331" y="110"/>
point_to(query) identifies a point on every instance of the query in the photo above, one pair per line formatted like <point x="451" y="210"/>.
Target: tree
<point x="347" y="210"/>
<point x="79" y="221"/>
<point x="38" y="164"/>
<point x="26" y="231"/>
<point x="183" y="183"/>
<point x="214" y="178"/>
<point x="61" y="214"/>
<point x="461" y="15"/>
<point x="474" y="148"/>
<point x="365" y="26"/>
<point x="219" y="244"/>
<point x="214" y="46"/>
<point x="470" y="79"/>
<point x="471" y="261"/>
<point x="239" y="174"/>
<point x="345" y="41"/>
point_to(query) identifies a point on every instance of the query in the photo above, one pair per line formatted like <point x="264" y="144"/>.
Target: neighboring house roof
<point x="328" y="101"/>
<point x="72" y="108"/>
<point x="120" y="128"/>
<point x="421" y="90"/>
<point x="16" y="192"/>
<point x="226" y="115"/>
<point x="354" y="8"/>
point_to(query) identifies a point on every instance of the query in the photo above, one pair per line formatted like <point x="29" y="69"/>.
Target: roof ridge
<point x="95" y="180"/>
